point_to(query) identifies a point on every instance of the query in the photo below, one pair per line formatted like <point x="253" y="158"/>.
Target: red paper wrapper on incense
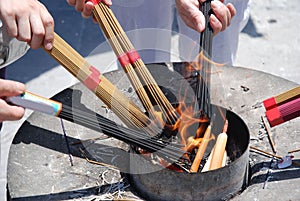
<point x="284" y="112"/>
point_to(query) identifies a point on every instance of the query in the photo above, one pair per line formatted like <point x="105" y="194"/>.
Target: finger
<point x="38" y="31"/>
<point x="48" y="23"/>
<point x="79" y="5"/>
<point x="194" y="20"/>
<point x="222" y="13"/>
<point x="9" y="112"/>
<point x="191" y="15"/>
<point x="187" y="20"/>
<point x="88" y="10"/>
<point x="11" y="25"/>
<point x="11" y="88"/>
<point x="215" y="24"/>
<point x="199" y="21"/>
<point x="8" y="17"/>
<point x="107" y="2"/>
<point x="24" y="29"/>
<point x="231" y="9"/>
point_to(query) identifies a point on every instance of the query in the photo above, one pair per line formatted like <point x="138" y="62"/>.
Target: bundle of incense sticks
<point x="283" y="107"/>
<point x="121" y="105"/>
<point x="282" y="98"/>
<point x="202" y="102"/>
<point x="137" y="72"/>
<point x="284" y="112"/>
<point x="87" y="118"/>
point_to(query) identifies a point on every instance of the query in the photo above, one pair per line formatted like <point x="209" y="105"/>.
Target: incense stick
<point x="124" y="108"/>
<point x="132" y="64"/>
<point x="134" y="137"/>
<point x="269" y="135"/>
<point x="264" y="152"/>
<point x="202" y="103"/>
<point x="219" y="151"/>
<point x="94" y="121"/>
<point x="201" y="150"/>
<point x="293" y="151"/>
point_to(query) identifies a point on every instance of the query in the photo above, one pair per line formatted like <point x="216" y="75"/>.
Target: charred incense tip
<point x="218" y="153"/>
<point x="201" y="150"/>
<point x="225" y="127"/>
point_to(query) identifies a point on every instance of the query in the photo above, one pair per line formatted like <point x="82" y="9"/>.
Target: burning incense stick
<point x="282" y="98"/>
<point x="201" y="150"/>
<point x="132" y="64"/>
<point x="90" y="119"/>
<point x="218" y="153"/>
<point x="125" y="109"/>
<point x="208" y="162"/>
<point x="225" y="127"/>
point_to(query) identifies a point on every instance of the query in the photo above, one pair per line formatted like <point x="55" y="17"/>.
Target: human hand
<point x="86" y="7"/>
<point x="28" y="21"/>
<point x="194" y="18"/>
<point x="10" y="88"/>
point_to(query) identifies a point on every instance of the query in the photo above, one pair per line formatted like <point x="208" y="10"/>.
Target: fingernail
<point x="215" y="4"/>
<point x="20" y="87"/>
<point x="48" y="46"/>
<point x="200" y="27"/>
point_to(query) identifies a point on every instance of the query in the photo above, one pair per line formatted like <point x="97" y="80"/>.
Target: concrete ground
<point x="269" y="43"/>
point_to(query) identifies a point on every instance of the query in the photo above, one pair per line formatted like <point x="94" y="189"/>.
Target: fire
<point x="190" y="129"/>
<point x="193" y="127"/>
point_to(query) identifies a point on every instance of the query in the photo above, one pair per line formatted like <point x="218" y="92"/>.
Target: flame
<point x="189" y="127"/>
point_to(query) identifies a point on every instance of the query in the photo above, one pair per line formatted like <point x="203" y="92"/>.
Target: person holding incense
<point x="28" y="21"/>
<point x="149" y="26"/>
<point x="9" y="88"/>
<point x="23" y="24"/>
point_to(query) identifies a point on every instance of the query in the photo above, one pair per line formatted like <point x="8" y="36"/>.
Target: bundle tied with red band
<point x="283" y="107"/>
<point x="93" y="80"/>
<point x="141" y="79"/>
<point x="284" y="112"/>
<point x="121" y="105"/>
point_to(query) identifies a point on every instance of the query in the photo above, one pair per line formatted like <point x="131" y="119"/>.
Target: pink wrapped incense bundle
<point x="282" y="98"/>
<point x="284" y="112"/>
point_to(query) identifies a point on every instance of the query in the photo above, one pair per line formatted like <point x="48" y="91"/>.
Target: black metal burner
<point x="152" y="182"/>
